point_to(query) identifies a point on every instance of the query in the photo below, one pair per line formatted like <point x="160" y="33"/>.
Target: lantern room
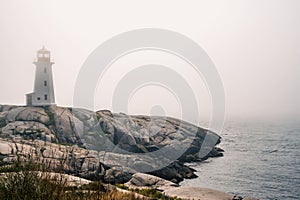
<point x="43" y="55"/>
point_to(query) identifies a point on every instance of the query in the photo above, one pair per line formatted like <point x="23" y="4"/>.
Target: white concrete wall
<point x="43" y="73"/>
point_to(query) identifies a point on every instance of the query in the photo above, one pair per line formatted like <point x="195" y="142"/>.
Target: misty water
<point x="260" y="160"/>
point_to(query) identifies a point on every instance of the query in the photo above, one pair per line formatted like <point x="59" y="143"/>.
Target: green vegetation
<point x="28" y="181"/>
<point x="152" y="193"/>
<point x="30" y="185"/>
<point x="122" y="186"/>
<point x="19" y="181"/>
<point x="66" y="144"/>
<point x="19" y="167"/>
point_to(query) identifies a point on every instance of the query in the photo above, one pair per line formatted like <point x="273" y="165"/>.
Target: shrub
<point x="24" y="181"/>
<point x="28" y="181"/>
<point x="30" y="185"/>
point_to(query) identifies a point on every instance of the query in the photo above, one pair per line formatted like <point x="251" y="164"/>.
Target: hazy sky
<point x="255" y="45"/>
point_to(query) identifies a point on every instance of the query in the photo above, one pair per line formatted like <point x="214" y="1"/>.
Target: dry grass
<point x="21" y="181"/>
<point x="28" y="181"/>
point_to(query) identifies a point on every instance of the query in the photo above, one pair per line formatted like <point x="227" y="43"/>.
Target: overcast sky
<point x="254" y="44"/>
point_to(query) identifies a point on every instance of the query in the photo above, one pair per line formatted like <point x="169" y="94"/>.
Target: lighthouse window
<point x="46" y="97"/>
<point x="45" y="70"/>
<point x="38" y="98"/>
<point x="45" y="83"/>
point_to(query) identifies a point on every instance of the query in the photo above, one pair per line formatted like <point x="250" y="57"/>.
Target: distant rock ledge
<point x="65" y="139"/>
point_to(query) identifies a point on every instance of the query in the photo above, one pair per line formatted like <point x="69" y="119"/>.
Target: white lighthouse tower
<point x="43" y="94"/>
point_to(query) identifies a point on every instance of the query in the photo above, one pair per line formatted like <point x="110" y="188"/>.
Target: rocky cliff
<point x="102" y="145"/>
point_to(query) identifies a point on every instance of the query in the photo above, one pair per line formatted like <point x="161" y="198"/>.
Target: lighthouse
<point x="43" y="94"/>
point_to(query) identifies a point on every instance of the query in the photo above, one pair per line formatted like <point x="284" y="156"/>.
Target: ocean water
<point x="261" y="159"/>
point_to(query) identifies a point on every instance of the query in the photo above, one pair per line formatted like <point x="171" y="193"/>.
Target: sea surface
<point x="261" y="159"/>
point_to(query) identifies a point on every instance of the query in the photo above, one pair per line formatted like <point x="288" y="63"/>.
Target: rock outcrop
<point x="102" y="144"/>
<point x="140" y="180"/>
<point x="171" y="189"/>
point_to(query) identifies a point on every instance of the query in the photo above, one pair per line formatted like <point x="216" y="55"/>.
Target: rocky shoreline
<point x="171" y="189"/>
<point x="106" y="146"/>
<point x="68" y="139"/>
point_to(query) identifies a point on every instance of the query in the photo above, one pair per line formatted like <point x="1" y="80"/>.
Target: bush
<point x="23" y="181"/>
<point x="28" y="181"/>
<point x="30" y="185"/>
<point x="18" y="167"/>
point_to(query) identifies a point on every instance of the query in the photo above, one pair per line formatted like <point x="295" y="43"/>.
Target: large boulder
<point x="36" y="114"/>
<point x="142" y="134"/>
<point x="140" y="180"/>
<point x="175" y="172"/>
<point x="66" y="125"/>
<point x="115" y="175"/>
